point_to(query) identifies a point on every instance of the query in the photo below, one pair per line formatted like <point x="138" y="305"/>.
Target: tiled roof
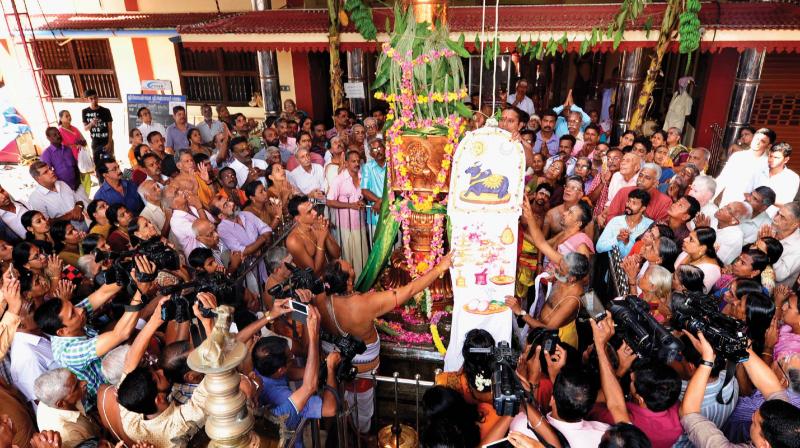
<point x="126" y="21"/>
<point x="512" y="18"/>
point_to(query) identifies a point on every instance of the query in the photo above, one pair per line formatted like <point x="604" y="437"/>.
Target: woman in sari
<point x="72" y="138"/>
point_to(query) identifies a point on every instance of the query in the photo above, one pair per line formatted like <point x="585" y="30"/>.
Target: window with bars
<point x="218" y="76"/>
<point x="87" y="63"/>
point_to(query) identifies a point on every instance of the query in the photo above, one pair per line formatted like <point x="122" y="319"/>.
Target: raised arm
<point x="382" y="302"/>
<point x="142" y="340"/>
<point x="615" y="399"/>
<point x="536" y="235"/>
<point x="300" y="396"/>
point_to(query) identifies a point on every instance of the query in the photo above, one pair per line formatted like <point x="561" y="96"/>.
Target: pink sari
<point x="71" y="137"/>
<point x="570" y="245"/>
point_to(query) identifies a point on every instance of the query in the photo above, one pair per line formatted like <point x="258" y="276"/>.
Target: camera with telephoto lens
<point x="298" y="279"/>
<point x="161" y="255"/>
<point x="696" y="312"/>
<point x="642" y="332"/>
<point x="507" y="391"/>
<point x="184" y="295"/>
<point x="348" y="347"/>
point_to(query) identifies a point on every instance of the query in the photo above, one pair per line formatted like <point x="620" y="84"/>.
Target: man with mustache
<point x="622" y="231"/>
<point x="546" y="139"/>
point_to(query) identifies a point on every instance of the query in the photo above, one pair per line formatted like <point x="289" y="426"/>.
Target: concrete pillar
<point x="356" y="73"/>
<point x="743" y="97"/>
<point x="630" y="82"/>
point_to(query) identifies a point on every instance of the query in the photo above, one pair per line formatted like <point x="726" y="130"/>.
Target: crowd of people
<point x="95" y="351"/>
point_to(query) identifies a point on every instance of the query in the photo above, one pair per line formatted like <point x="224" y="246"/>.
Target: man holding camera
<point x="274" y="363"/>
<point x="79" y="347"/>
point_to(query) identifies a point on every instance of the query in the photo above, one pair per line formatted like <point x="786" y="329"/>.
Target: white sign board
<point x="354" y="90"/>
<point x="157" y="84"/>
<point x="65" y="86"/>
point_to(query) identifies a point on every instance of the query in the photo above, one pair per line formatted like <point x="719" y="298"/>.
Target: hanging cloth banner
<point x="484" y="205"/>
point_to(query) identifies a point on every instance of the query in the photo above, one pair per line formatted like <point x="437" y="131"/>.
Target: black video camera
<point x="298" y="279"/>
<point x="544" y="337"/>
<point x="642" y="332"/>
<point x="348" y="347"/>
<point x="157" y="252"/>
<point x="184" y="295"/>
<point x="507" y="391"/>
<point x="696" y="312"/>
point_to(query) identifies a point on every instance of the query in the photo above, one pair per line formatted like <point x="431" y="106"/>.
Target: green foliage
<point x="689" y="29"/>
<point x="361" y="15"/>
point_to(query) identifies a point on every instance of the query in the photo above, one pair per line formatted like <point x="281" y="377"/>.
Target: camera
<point x="642" y="332"/>
<point x="507" y="391"/>
<point x="299" y="311"/>
<point x="696" y="312"/>
<point x="179" y="306"/>
<point x="546" y="338"/>
<point x="161" y="255"/>
<point x="298" y="279"/>
<point x="348" y="347"/>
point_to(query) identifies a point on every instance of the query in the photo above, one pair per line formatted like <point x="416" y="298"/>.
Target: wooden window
<point x="87" y="63"/>
<point x="218" y="76"/>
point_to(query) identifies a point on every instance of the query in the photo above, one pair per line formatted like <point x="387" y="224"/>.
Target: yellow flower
<point x="403" y="171"/>
<point x="422" y="267"/>
<point x="390" y="53"/>
<point x="437" y="97"/>
<point x="452" y="96"/>
<point x="408" y="185"/>
<point x="422" y="99"/>
<point x="379" y="95"/>
<point x="414" y="197"/>
<point x="390" y="116"/>
<point x="390" y="98"/>
<point x="441" y="177"/>
<point x="445" y="164"/>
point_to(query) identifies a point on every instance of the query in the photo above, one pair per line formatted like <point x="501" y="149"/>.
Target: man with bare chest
<point x="554" y="219"/>
<point x="310" y="243"/>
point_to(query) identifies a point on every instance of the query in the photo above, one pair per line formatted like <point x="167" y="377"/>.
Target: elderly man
<point x="519" y="98"/>
<point x="309" y="177"/>
<point x="55" y="199"/>
<point x="743" y="169"/>
<point x="60" y="393"/>
<point x="786" y="228"/>
<point x="373" y="177"/>
<point x="146" y="125"/>
<point x="183" y="215"/>
<point x="730" y="237"/>
<point x="206" y="236"/>
<point x="151" y="194"/>
<point x="626" y="177"/>
<point x="566" y="145"/>
<point x="580" y="119"/>
<point x="647" y="181"/>
<point x="699" y="157"/>
<point x="176" y="132"/>
<point x="760" y="200"/>
<point x="598" y="191"/>
<point x="702" y="189"/>
<point x="239" y="230"/>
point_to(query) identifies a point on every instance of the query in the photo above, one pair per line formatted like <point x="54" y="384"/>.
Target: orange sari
<point x="458" y="381"/>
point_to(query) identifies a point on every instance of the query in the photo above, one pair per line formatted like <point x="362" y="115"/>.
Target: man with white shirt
<point x="626" y="176"/>
<point x="786" y="228"/>
<point x="744" y="169"/>
<point x="209" y="127"/>
<point x="287" y="143"/>
<point x="151" y="194"/>
<point x="147" y="126"/>
<point x="183" y="215"/>
<point x="10" y="212"/>
<point x="730" y="237"/>
<point x="246" y="167"/>
<point x="703" y="189"/>
<point x="30" y="355"/>
<point x="760" y="199"/>
<point x="519" y="99"/>
<point x="55" y="199"/>
<point x="783" y="181"/>
<point x="309" y="177"/>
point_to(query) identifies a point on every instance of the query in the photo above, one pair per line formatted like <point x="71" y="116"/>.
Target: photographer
<point x="80" y="347"/>
<point x="776" y="424"/>
<point x="474" y="382"/>
<point x="655" y="389"/>
<point x="354" y="314"/>
<point x="273" y="361"/>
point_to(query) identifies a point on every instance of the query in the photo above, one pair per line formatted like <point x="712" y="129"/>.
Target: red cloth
<point x="138" y="176"/>
<point x="663" y="428"/>
<point x="657" y="210"/>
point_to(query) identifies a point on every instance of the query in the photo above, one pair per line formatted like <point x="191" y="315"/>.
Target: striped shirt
<point x="79" y="355"/>
<point x="710" y="407"/>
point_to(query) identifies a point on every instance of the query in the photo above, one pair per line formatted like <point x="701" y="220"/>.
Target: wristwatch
<point x="522" y="313"/>
<point x="707" y="363"/>
<point x="134" y="307"/>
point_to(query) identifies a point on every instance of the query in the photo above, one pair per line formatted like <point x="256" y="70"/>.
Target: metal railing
<point x="718" y="154"/>
<point x="353" y="231"/>
<point x="345" y="417"/>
